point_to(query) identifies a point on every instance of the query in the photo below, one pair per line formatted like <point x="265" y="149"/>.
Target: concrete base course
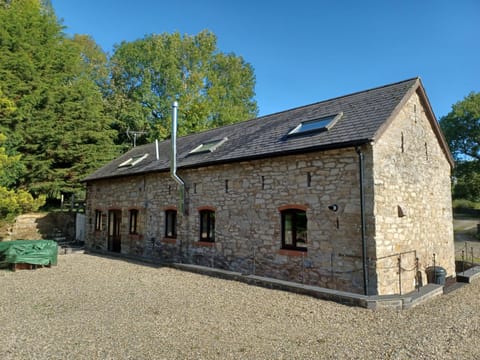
<point x="374" y="302"/>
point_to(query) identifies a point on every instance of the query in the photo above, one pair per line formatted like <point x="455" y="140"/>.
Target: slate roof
<point x="365" y="113"/>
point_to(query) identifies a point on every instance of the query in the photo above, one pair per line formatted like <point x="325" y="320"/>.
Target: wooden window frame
<point x="207" y="234"/>
<point x="169" y="213"/>
<point x="295" y="224"/>
<point x="98" y="220"/>
<point x="133" y="221"/>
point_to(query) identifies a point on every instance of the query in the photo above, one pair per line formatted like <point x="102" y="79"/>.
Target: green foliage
<point x="462" y="128"/>
<point x="10" y="166"/>
<point x="147" y="75"/>
<point x="465" y="204"/>
<point x="18" y="202"/>
<point x="462" y="131"/>
<point x="65" y="106"/>
<point x="13" y="202"/>
<point x="60" y="125"/>
<point x="7" y="107"/>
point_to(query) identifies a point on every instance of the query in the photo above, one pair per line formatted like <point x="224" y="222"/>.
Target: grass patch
<point x="465" y="204"/>
<point x="468" y="259"/>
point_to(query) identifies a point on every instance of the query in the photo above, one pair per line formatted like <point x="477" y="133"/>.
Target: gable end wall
<point x="412" y="208"/>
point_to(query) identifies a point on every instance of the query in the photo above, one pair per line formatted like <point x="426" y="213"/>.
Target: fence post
<point x="253" y="260"/>
<point x="417" y="274"/>
<point x="303" y="267"/>
<point x="331" y="266"/>
<point x="213" y="257"/>
<point x="463" y="261"/>
<point x="400" y="273"/>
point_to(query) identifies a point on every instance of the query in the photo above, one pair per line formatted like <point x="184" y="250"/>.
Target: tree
<point x="461" y="127"/>
<point x="462" y="130"/>
<point x="147" y="75"/>
<point x="12" y="202"/>
<point x="61" y="127"/>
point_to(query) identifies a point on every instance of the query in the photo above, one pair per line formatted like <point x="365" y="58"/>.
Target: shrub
<point x="16" y="202"/>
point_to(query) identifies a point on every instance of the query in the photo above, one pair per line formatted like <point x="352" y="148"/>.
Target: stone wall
<point x="246" y="197"/>
<point x="413" y="210"/>
<point x="59" y="226"/>
<point x="407" y="211"/>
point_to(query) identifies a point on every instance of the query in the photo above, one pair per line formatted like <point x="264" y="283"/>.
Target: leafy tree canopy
<point x="462" y="130"/>
<point x="147" y="75"/>
<point x="65" y="106"/>
<point x="60" y="126"/>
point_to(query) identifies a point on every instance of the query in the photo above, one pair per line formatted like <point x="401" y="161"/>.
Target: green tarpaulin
<point x="35" y="252"/>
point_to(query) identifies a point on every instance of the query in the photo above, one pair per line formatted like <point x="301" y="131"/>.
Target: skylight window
<point x="208" y="146"/>
<point x="133" y="161"/>
<point x="316" y="125"/>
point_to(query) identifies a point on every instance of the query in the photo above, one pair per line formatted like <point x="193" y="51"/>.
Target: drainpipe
<point x="362" y="216"/>
<point x="173" y="160"/>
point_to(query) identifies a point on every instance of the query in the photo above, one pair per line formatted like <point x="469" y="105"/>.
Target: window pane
<point x="301" y="228"/>
<point x="294" y="229"/>
<point x="288" y="234"/>
<point x="204" y="225"/>
<point x="111" y="224"/>
<point x="212" y="226"/>
<point x="207" y="225"/>
<point x="133" y="221"/>
<point x="98" y="220"/>
<point x="171" y="223"/>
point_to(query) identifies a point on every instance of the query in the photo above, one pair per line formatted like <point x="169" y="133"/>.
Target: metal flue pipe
<point x="173" y="160"/>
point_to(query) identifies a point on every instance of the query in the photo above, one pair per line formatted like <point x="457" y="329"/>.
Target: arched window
<point x="207" y="225"/>
<point x="294" y="229"/>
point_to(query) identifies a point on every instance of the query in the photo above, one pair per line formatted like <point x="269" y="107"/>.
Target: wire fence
<point x="467" y="256"/>
<point x="401" y="272"/>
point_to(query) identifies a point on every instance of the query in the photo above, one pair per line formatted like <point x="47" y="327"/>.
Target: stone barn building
<point x="351" y="193"/>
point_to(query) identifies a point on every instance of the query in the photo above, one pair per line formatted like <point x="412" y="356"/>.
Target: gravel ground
<point x="91" y="307"/>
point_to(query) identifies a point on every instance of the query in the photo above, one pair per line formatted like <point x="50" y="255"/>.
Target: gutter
<point x="343" y="145"/>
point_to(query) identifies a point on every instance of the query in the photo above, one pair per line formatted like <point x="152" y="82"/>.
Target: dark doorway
<point x="114" y="221"/>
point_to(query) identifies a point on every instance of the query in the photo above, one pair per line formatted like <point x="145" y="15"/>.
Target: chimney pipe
<point x="173" y="160"/>
<point x="156" y="150"/>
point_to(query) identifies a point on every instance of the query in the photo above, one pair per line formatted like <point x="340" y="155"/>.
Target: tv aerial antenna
<point x="134" y="135"/>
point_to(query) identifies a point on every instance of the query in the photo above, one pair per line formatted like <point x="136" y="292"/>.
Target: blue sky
<point x="307" y="51"/>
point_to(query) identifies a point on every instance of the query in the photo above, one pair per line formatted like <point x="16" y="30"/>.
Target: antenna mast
<point x="135" y="134"/>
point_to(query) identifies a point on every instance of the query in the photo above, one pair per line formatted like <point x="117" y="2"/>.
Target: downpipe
<point x="362" y="217"/>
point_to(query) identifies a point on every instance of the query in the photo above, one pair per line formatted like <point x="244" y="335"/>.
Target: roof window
<point x="134" y="160"/>
<point x="316" y="125"/>
<point x="209" y="146"/>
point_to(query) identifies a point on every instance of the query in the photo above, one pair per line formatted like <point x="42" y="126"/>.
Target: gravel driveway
<point x="91" y="307"/>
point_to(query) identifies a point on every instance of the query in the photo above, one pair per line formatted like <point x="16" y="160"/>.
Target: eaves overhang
<point x="327" y="147"/>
